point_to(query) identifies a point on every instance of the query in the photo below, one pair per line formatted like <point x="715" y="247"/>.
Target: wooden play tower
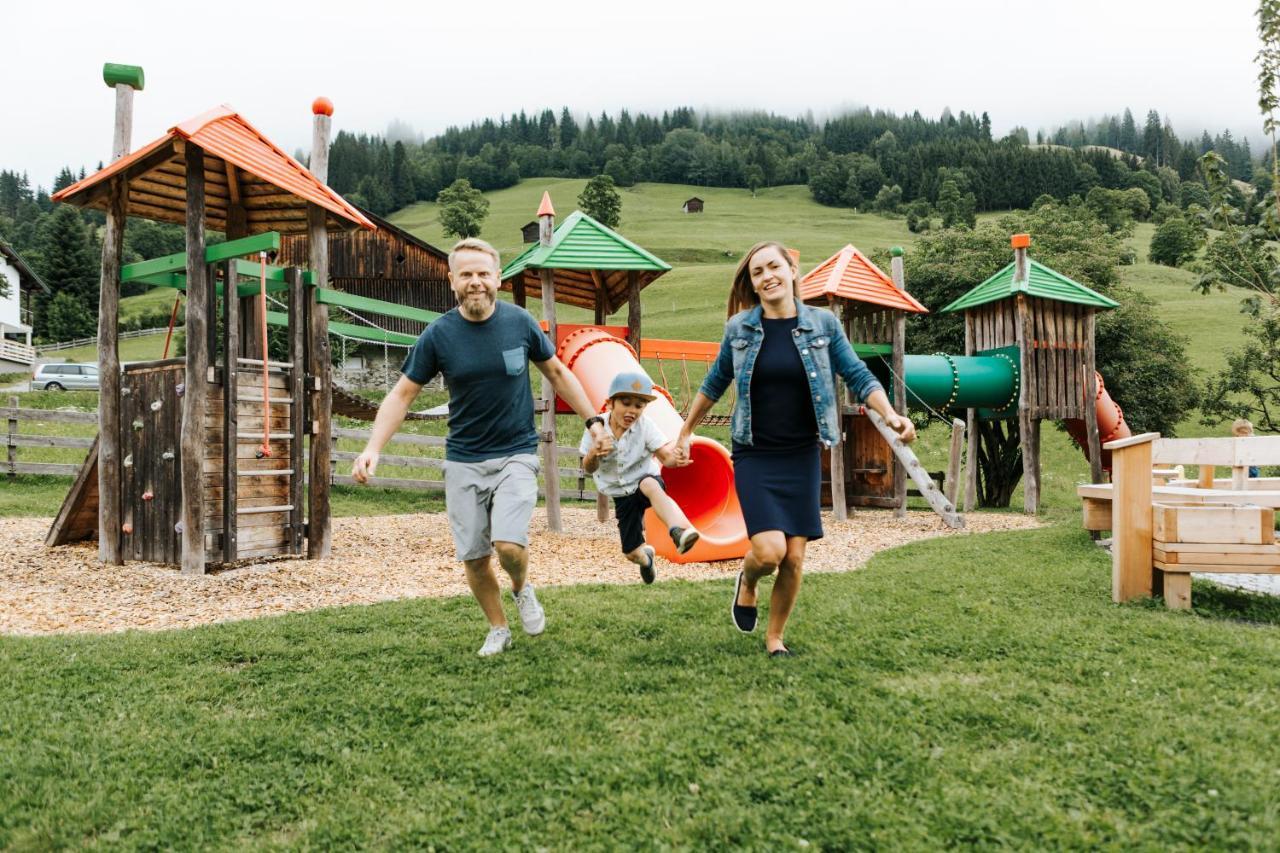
<point x="192" y="465"/>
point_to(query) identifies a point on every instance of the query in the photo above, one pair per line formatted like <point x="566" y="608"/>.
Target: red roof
<point x="252" y="165"/>
<point x="849" y="274"/>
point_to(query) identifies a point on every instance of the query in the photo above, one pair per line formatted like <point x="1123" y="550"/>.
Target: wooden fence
<point x="17" y="437"/>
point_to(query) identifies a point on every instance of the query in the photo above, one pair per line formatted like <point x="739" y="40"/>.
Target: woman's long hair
<point x="742" y="295"/>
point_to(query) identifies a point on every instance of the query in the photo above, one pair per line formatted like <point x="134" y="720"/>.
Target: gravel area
<point x="64" y="590"/>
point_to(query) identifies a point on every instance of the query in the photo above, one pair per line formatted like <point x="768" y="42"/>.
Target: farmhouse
<point x="16" y="352"/>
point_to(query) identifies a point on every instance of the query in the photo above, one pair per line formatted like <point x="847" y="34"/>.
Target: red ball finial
<point x="322" y="106"/>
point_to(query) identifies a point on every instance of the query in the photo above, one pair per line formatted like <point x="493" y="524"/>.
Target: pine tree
<point x="66" y="261"/>
<point x="1128" y="133"/>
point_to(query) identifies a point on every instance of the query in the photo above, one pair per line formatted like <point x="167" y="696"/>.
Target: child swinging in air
<point x="629" y="473"/>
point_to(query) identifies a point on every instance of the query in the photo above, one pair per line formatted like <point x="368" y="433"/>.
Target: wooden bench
<point x="1161" y="533"/>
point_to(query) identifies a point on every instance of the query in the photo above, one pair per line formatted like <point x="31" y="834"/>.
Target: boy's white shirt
<point x="619" y="473"/>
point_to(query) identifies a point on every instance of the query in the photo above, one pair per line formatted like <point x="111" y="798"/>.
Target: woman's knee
<point x="767" y="553"/>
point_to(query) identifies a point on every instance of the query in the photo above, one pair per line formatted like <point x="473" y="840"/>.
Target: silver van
<point x="65" y="377"/>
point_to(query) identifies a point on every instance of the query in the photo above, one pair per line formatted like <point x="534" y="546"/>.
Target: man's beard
<point x="476" y="307"/>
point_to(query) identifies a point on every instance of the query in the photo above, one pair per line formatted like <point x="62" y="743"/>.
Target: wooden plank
<point x="1027" y="423"/>
<point x="13" y="436"/>
<point x="15" y="440"/>
<point x="54" y="468"/>
<point x="971" y="424"/>
<point x="633" y="310"/>
<point x="1097" y="514"/>
<point x="1243" y="525"/>
<point x="1228" y="452"/>
<point x="1214" y="548"/>
<point x="1176" y="588"/>
<point x="1131" y="522"/>
<point x="1090" y="382"/>
<point x="928" y="489"/>
<point x="195" y="400"/>
<point x="952" y="483"/>
<point x="1218" y="568"/>
<point x="297" y="330"/>
<point x="320" y="531"/>
<point x="81" y="501"/>
<point x="109" y="499"/>
<point x="48" y="416"/>
<point x="230" y="413"/>
<point x="1229" y="562"/>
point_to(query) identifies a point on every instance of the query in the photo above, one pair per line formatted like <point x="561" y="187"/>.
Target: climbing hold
<point x="148" y="495"/>
<point x="167" y="455"/>
<point x="137" y="424"/>
<point x="155" y="406"/>
<point x="124" y="391"/>
<point x="127" y="527"/>
<point x="128" y="461"/>
<point x="178" y="527"/>
<point x="181" y="389"/>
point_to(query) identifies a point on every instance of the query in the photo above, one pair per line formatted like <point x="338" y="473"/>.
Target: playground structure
<point x="200" y="459"/>
<point x="1164" y="528"/>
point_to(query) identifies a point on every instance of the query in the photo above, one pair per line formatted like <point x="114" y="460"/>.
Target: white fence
<point x="80" y="342"/>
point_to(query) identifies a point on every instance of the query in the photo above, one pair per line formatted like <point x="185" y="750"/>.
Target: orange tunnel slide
<point x="1111" y="425"/>
<point x="704" y="489"/>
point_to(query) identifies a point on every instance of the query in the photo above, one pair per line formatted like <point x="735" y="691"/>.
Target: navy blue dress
<point x="778" y="476"/>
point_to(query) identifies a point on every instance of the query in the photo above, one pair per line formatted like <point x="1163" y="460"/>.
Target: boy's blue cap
<point x="633" y="383"/>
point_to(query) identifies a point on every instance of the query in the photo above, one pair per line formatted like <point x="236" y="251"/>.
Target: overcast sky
<point x="1027" y="63"/>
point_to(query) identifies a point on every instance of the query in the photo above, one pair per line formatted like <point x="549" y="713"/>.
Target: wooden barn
<point x="529" y="232"/>
<point x="693" y="205"/>
<point x="388" y="263"/>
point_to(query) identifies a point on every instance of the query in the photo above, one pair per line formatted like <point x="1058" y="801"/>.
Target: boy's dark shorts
<point x="630" y="511"/>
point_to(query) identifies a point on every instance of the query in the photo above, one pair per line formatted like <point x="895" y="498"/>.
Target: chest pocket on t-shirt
<point x="515" y="360"/>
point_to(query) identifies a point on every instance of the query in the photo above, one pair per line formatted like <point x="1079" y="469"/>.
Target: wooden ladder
<point x="928" y="489"/>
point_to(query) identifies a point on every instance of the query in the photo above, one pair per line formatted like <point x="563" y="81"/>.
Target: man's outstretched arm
<point x="390" y="416"/>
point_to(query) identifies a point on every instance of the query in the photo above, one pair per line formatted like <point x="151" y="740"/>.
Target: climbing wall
<point x="150" y="473"/>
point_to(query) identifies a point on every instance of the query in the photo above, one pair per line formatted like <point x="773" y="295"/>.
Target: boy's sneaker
<point x="498" y="641"/>
<point x="532" y="618"/>
<point x="648" y="573"/>
<point x="685" y="538"/>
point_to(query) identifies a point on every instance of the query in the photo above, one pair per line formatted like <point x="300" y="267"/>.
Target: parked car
<point x="65" y="377"/>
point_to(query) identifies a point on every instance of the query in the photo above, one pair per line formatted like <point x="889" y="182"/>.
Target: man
<point x="483" y="347"/>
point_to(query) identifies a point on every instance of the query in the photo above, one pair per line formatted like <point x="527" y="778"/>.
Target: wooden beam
<point x="1091" y="397"/>
<point x="549" y="467"/>
<point x="110" y="507"/>
<point x="928" y="489"/>
<point x="320" y="533"/>
<point x="195" y="398"/>
<point x="952" y="485"/>
<point x="1027" y="423"/>
<point x="1131" y="570"/>
<point x="971" y="425"/>
<point x="898" y="361"/>
<point x="839" y="504"/>
<point x="633" y="309"/>
<point x="230" y="414"/>
<point x="297" y="355"/>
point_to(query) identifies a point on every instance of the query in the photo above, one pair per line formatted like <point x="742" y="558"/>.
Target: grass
<point x="145" y="348"/>
<point x="957" y="693"/>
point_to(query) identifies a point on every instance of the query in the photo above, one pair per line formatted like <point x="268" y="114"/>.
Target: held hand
<point x="903" y="426"/>
<point x="603" y="442"/>
<point x="365" y="466"/>
<point x="684" y="454"/>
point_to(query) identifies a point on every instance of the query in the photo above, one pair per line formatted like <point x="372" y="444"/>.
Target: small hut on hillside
<point x="529" y="232"/>
<point x="693" y="205"/>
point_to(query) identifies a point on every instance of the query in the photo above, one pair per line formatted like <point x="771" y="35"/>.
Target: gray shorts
<point x="490" y="501"/>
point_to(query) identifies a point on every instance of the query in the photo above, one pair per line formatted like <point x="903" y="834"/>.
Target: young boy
<point x="629" y="473"/>
<point x="1243" y="428"/>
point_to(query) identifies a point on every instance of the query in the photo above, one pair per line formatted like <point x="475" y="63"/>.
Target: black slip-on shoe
<point x="783" y="652"/>
<point x="648" y="573"/>
<point x="684" y="538"/>
<point x="744" y="618"/>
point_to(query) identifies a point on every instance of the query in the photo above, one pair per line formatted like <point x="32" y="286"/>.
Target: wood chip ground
<point x="65" y="590"/>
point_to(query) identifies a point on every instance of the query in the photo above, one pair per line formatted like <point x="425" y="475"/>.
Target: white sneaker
<point x="532" y="618"/>
<point x="498" y="641"/>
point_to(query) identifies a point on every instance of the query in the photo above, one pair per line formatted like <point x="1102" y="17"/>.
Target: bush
<point x="1174" y="243"/>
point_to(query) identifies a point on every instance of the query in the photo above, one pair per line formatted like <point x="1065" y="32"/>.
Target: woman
<point x="784" y="356"/>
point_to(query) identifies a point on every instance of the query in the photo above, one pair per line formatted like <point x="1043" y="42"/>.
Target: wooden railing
<point x="17" y="351"/>
<point x="17" y="437"/>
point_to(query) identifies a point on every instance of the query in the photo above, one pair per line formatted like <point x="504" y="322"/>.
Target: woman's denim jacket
<point x="824" y="350"/>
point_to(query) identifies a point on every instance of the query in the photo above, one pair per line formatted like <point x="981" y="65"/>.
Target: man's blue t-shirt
<point x="486" y="366"/>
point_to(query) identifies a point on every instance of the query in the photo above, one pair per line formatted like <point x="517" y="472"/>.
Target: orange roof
<point x="849" y="274"/>
<point x="545" y="209"/>
<point x="254" y="172"/>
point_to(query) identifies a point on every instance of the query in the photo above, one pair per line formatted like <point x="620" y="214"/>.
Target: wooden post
<point x="839" y="495"/>
<point x="971" y="425"/>
<point x="13" y="431"/>
<point x="297" y="421"/>
<point x="1205" y="477"/>
<point x="898" y="361"/>
<point x="953" y="463"/>
<point x="517" y="290"/>
<point x="550" y="462"/>
<point x="196" y="397"/>
<point x="633" y="309"/>
<point x="1091" y="398"/>
<point x="230" y="416"/>
<point x="1026" y="423"/>
<point x="1131" y="572"/>
<point x="319" y="529"/>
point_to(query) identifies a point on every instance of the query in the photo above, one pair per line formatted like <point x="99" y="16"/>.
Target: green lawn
<point x="145" y="348"/>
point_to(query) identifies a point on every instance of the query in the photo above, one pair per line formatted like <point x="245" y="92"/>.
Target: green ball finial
<point x="896" y="251"/>
<point x="131" y="75"/>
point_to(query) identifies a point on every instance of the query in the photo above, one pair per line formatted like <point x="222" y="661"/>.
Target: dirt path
<point x="64" y="590"/>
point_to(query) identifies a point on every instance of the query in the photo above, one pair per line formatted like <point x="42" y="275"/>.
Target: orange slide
<point x="1111" y="425"/>
<point x="704" y="490"/>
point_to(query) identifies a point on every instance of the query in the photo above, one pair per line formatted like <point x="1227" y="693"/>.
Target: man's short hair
<point x="1242" y="426"/>
<point x="474" y="244"/>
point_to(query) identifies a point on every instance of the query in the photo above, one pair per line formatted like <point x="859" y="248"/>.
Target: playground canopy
<point x="849" y="274"/>
<point x="1041" y="281"/>
<point x="586" y="258"/>
<point x="251" y="185"/>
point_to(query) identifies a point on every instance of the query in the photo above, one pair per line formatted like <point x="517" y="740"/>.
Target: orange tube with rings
<point x="704" y="489"/>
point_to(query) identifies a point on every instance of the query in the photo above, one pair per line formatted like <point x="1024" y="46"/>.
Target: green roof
<point x="1041" y="281"/>
<point x="582" y="243"/>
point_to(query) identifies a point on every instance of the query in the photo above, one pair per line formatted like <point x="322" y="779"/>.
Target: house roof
<point x="385" y="225"/>
<point x="25" y="271"/>
<point x="849" y="274"/>
<point x="586" y="257"/>
<point x="694" y="198"/>
<point x="1041" y="281"/>
<point x="241" y="166"/>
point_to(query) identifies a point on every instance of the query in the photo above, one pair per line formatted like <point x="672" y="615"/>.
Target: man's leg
<point x="514" y="560"/>
<point x="515" y="493"/>
<point x="484" y="586"/>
